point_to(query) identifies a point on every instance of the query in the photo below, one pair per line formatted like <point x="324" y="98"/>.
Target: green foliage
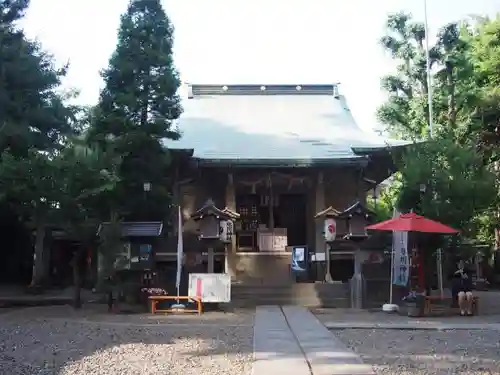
<point x="484" y="41"/>
<point x="34" y="120"/>
<point x="75" y="167"/>
<point x="405" y="43"/>
<point x="141" y="82"/>
<point x="386" y="201"/>
<point x="380" y="209"/>
<point x="461" y="182"/>
<point x="87" y="176"/>
<point x="457" y="184"/>
<point x="30" y="184"/>
<point x="484" y="225"/>
<point x="32" y="112"/>
<point x="137" y="109"/>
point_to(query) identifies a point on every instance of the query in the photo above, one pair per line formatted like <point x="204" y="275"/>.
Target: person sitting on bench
<point x="462" y="289"/>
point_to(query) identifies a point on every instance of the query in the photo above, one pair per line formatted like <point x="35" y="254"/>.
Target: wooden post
<point x="231" y="248"/>
<point x="210" y="259"/>
<point x="271" y="204"/>
<point x="320" y="244"/>
<point x="357" y="281"/>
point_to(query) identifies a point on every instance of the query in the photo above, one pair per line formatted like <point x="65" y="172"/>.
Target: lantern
<point x="330" y="229"/>
<point x="226" y="229"/>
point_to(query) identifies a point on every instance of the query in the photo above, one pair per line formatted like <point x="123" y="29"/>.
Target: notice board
<point x="211" y="287"/>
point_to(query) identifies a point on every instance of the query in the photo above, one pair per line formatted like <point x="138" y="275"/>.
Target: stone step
<point x="292" y="290"/>
<point x="294" y="286"/>
<point x="300" y="294"/>
<point x="288" y="295"/>
<point x="307" y="302"/>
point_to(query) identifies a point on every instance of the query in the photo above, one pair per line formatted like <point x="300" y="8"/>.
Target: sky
<point x="248" y="41"/>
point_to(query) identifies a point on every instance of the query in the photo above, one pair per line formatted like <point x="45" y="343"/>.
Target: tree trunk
<point x="497" y="234"/>
<point x="39" y="269"/>
<point x="145" y="105"/>
<point x="77" y="278"/>
<point x="496" y="168"/>
<point x="452" y="112"/>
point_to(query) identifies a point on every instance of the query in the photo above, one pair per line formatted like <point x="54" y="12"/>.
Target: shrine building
<point x="277" y="155"/>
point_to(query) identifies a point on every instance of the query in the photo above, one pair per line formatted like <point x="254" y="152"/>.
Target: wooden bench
<point x="157" y="299"/>
<point x="437" y="305"/>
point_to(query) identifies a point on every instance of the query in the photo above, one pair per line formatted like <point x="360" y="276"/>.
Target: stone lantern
<point x="215" y="226"/>
<point x="328" y="218"/>
<point x="356" y="218"/>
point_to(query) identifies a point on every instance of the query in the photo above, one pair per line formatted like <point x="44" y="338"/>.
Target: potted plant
<point x="414" y="303"/>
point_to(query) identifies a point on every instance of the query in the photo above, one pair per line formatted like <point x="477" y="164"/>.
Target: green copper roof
<point x="273" y="124"/>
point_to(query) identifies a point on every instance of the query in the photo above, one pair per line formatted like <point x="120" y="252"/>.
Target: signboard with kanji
<point x="401" y="261"/>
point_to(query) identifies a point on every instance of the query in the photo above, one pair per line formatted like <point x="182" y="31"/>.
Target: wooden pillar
<point x="320" y="243"/>
<point x="210" y="259"/>
<point x="319" y="205"/>
<point x="230" y="198"/>
<point x="357" y="280"/>
<point x="360" y="186"/>
<point x="271" y="204"/>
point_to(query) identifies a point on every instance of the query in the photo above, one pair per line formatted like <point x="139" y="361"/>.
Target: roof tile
<point x="244" y="122"/>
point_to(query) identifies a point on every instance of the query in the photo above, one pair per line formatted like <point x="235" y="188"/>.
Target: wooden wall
<point x="338" y="187"/>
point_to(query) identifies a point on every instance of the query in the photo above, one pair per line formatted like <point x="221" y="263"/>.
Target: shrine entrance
<point x="291" y="213"/>
<point x="285" y="217"/>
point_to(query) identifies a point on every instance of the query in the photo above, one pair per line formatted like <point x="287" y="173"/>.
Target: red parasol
<point x="412" y="223"/>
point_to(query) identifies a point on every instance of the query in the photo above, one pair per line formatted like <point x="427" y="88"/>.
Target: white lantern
<point x="230" y="228"/>
<point x="225" y="230"/>
<point x="330" y="230"/>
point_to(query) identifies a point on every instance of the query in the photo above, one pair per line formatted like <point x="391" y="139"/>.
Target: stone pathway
<point x="276" y="350"/>
<point x="363" y="319"/>
<point x="438" y="326"/>
<point x="291" y="341"/>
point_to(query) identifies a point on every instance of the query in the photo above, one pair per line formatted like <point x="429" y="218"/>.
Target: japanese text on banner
<point x="401" y="261"/>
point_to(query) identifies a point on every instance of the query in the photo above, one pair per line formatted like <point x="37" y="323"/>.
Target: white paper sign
<point x="318" y="257"/>
<point x="211" y="287"/>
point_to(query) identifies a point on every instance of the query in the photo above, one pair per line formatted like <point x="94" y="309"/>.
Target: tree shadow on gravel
<point x="58" y="340"/>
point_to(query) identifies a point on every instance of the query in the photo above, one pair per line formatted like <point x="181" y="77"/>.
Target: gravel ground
<point x="422" y="352"/>
<point x="68" y="346"/>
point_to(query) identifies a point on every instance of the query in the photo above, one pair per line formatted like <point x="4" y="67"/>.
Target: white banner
<point x="401" y="261"/>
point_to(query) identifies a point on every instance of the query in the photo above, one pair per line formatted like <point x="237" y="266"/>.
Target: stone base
<point x="262" y="268"/>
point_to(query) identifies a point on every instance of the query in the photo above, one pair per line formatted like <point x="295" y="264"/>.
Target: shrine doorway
<point x="292" y="215"/>
<point x="287" y="212"/>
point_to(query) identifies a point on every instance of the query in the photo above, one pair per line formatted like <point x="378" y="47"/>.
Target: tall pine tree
<point x="32" y="112"/>
<point x="33" y="118"/>
<point x="138" y="106"/>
